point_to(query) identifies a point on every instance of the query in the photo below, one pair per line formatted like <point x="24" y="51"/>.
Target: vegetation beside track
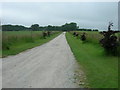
<point x="101" y="70"/>
<point x="14" y="42"/>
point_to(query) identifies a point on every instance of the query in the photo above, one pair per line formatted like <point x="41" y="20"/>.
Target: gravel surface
<point x="51" y="65"/>
<point x="0" y="73"/>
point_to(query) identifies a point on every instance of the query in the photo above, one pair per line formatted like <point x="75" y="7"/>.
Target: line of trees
<point x="35" y="27"/>
<point x="14" y="28"/>
<point x="88" y="29"/>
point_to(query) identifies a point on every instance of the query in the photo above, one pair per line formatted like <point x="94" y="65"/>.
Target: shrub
<point x="109" y="42"/>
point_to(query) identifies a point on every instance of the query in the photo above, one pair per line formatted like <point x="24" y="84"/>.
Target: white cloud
<point x="60" y="0"/>
<point x="87" y="15"/>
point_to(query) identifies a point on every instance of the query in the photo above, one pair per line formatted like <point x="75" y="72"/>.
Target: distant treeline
<point x="35" y="27"/>
<point x="88" y="30"/>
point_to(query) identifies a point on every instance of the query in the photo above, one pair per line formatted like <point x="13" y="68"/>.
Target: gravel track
<point x="51" y="65"/>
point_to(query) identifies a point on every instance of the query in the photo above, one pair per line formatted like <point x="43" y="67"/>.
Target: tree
<point x="49" y="27"/>
<point x="109" y="26"/>
<point x="35" y="27"/>
<point x="13" y="28"/>
<point x="109" y="42"/>
<point x="69" y="27"/>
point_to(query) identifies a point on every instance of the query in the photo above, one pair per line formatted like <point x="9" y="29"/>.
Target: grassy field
<point x="93" y="37"/>
<point x="0" y="43"/>
<point x="14" y="42"/>
<point x="101" y="70"/>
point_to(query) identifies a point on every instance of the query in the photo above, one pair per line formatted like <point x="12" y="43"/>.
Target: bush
<point x="109" y="42"/>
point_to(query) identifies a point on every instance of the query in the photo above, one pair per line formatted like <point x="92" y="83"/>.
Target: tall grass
<point x="91" y="36"/>
<point x="10" y="38"/>
<point x="14" y="42"/>
<point x="94" y="37"/>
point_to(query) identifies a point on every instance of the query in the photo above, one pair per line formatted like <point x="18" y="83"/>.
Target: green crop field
<point x="101" y="70"/>
<point x="14" y="42"/>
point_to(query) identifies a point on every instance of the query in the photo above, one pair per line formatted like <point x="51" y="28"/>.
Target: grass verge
<point x="22" y="46"/>
<point x="101" y="70"/>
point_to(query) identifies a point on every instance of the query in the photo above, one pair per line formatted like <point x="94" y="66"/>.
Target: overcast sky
<point x="85" y="14"/>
